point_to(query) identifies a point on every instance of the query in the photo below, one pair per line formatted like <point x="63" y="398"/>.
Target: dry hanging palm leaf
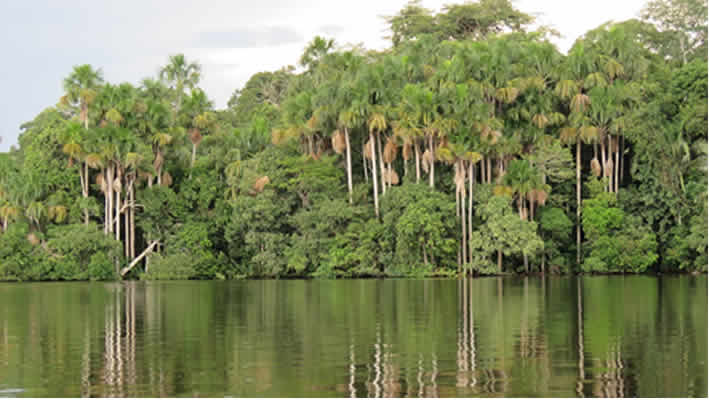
<point x="596" y="167"/>
<point x="101" y="183"/>
<point x="525" y="213"/>
<point x="195" y="136"/>
<point x="166" y="179"/>
<point x="392" y="177"/>
<point x="609" y="168"/>
<point x="537" y="196"/>
<point x="614" y="144"/>
<point x="459" y="178"/>
<point x="389" y="151"/>
<point x="157" y="163"/>
<point x="406" y="151"/>
<point x="117" y="185"/>
<point x="260" y="183"/>
<point x="368" y="149"/>
<point x="494" y="136"/>
<point x="426" y="160"/>
<point x="33" y="239"/>
<point x="338" y="142"/>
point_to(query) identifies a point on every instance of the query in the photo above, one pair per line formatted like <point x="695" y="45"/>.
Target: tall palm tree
<point x="180" y="74"/>
<point x="81" y="88"/>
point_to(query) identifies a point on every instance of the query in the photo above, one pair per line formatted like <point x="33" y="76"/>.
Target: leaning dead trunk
<point x="145" y="252"/>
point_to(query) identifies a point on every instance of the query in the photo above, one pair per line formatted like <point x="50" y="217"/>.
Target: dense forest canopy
<point x="472" y="145"/>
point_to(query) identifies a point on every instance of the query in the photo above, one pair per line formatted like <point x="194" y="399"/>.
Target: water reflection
<point x="516" y="337"/>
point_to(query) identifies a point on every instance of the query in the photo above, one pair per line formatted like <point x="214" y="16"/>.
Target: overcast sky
<point x="130" y="39"/>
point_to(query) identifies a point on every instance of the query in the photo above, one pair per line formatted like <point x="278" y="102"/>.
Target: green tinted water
<point x="591" y="336"/>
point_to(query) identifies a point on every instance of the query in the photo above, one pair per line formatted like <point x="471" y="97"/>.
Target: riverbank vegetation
<point x="471" y="145"/>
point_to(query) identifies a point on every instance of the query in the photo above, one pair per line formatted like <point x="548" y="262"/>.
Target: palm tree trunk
<point x="462" y="216"/>
<point x="126" y="228"/>
<point x="104" y="172"/>
<point x="431" y="179"/>
<point x="349" y="164"/>
<point x="470" y="210"/>
<point x="132" y="220"/>
<point x="418" y="160"/>
<point x="603" y="159"/>
<point x="118" y="216"/>
<point x="374" y="175"/>
<point x="616" y="166"/>
<point x="109" y="195"/>
<point x="610" y="157"/>
<point x="622" y="156"/>
<point x="578" y="201"/>
<point x="85" y="190"/>
<point x="382" y="168"/>
<point x="194" y="156"/>
<point x="364" y="163"/>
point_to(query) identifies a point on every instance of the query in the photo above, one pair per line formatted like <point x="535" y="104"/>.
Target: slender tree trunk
<point x="425" y="258"/>
<point x="470" y="210"/>
<point x="405" y="167"/>
<point x="431" y="179"/>
<point x="622" y="156"/>
<point x="499" y="261"/>
<point x="349" y="163"/>
<point x="464" y="241"/>
<point x="603" y="159"/>
<point x="374" y="175"/>
<point x="126" y="227"/>
<point x="382" y="168"/>
<point x="616" y="166"/>
<point x="109" y="195"/>
<point x="418" y="160"/>
<point x="85" y="190"/>
<point x="132" y="220"/>
<point x="610" y="158"/>
<point x="194" y="157"/>
<point x="364" y="163"/>
<point x="118" y="209"/>
<point x="578" y="202"/>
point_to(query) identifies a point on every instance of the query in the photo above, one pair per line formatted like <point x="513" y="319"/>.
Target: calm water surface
<point x="559" y="336"/>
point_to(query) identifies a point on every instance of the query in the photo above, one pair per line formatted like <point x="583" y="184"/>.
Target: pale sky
<point x="232" y="39"/>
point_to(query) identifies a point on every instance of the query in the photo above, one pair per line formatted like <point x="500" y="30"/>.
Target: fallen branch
<point x="145" y="252"/>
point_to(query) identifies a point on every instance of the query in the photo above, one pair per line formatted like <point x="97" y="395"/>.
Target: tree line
<point x="470" y="146"/>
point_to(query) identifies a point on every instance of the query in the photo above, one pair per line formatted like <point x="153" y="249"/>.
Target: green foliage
<point x="618" y="242"/>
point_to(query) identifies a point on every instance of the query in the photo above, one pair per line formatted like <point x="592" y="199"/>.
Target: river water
<point x="517" y="337"/>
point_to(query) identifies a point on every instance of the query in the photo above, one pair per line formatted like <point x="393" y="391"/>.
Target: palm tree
<point x="180" y="75"/>
<point x="81" y="88"/>
<point x="524" y="182"/>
